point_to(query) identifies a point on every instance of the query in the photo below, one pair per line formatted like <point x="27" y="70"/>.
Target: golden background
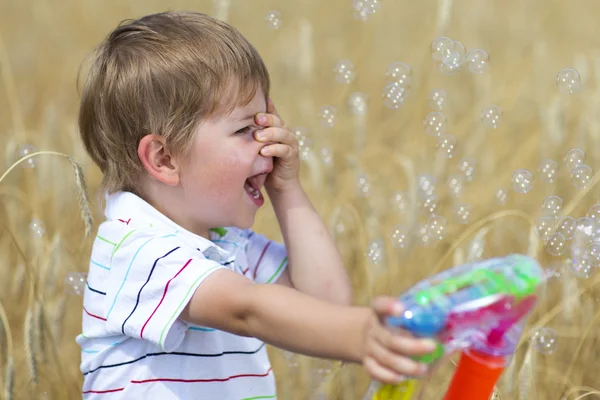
<point x="42" y="44"/>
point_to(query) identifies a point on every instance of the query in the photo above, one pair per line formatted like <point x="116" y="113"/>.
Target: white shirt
<point x="144" y="269"/>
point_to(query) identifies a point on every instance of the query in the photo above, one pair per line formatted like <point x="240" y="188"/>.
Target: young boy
<point x="176" y="112"/>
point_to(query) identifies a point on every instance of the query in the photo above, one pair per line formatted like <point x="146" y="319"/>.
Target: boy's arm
<point x="315" y="265"/>
<point x="280" y="316"/>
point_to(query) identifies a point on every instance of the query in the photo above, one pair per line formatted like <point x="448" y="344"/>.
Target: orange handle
<point x="474" y="379"/>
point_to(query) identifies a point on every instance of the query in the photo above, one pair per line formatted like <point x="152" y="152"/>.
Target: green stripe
<point x="219" y="231"/>
<point x="105" y="240"/>
<point x="278" y="270"/>
<point x="182" y="305"/>
<point x="120" y="243"/>
<point x="259" y="397"/>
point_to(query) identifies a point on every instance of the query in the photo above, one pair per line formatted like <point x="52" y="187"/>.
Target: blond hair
<point x="162" y="74"/>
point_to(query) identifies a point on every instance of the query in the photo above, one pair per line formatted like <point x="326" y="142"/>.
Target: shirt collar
<point x="224" y="243"/>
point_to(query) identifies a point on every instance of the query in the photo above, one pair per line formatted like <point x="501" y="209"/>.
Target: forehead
<point x="243" y="111"/>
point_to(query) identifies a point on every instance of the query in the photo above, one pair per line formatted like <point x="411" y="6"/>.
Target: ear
<point x="157" y="160"/>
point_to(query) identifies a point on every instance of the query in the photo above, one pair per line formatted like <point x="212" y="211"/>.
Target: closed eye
<point x="243" y="130"/>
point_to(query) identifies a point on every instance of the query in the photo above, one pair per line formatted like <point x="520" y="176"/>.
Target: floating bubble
<point x="400" y="237"/>
<point x="446" y="145"/>
<point x="327" y="115"/>
<point x="594" y="213"/>
<point x="584" y="231"/>
<point x="26" y="150"/>
<point x="435" y="123"/>
<point x="568" y="81"/>
<point x="426" y="184"/>
<point x="75" y="283"/>
<point x="573" y="158"/>
<point x="501" y="196"/>
<point x="582" y="267"/>
<point x="545" y="226"/>
<point x="566" y="226"/>
<point x="491" y="116"/>
<point x="344" y="71"/>
<point x="37" y="227"/>
<point x="394" y="95"/>
<point x="547" y="170"/>
<point x="478" y="61"/>
<point x="582" y="176"/>
<point x="522" y="181"/>
<point x="399" y="72"/>
<point x="452" y="59"/>
<point x="326" y="156"/>
<point x="552" y="205"/>
<point x="357" y="103"/>
<point x="462" y="213"/>
<point x="467" y="167"/>
<point x="363" y="9"/>
<point x="422" y="234"/>
<point x="556" y="244"/>
<point x="273" y="19"/>
<point x="593" y="254"/>
<point x="375" y="252"/>
<point x="437" y="99"/>
<point x="436" y="227"/>
<point x="544" y="340"/>
<point x="430" y="204"/>
<point x="455" y="185"/>
<point x="304" y="142"/>
<point x="441" y="47"/>
<point x="363" y="186"/>
<point x="399" y="201"/>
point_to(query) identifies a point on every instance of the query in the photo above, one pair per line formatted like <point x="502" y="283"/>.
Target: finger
<point x="379" y="372"/>
<point x="387" y="306"/>
<point x="400" y="364"/>
<point x="278" y="135"/>
<point x="410" y="346"/>
<point x="279" y="150"/>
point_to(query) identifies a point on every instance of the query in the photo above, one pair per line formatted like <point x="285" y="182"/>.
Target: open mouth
<point x="253" y="186"/>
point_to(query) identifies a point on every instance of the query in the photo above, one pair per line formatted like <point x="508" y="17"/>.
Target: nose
<point x="264" y="163"/>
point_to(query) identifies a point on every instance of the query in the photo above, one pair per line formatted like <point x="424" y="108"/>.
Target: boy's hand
<point x="387" y="353"/>
<point x="281" y="144"/>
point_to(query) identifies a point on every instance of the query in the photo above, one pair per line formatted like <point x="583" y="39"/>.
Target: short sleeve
<point x="267" y="259"/>
<point x="151" y="280"/>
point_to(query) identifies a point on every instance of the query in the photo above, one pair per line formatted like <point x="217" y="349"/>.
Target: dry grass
<point x="43" y="42"/>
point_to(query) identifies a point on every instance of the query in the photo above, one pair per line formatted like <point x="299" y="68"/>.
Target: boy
<point x="175" y="111"/>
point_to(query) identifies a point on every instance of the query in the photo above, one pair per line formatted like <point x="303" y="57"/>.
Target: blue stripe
<point x="98" y="351"/>
<point x="197" y="328"/>
<point x="226" y="241"/>
<point x="100" y="265"/>
<point x="129" y="269"/>
<point x="143" y="286"/>
<point x="94" y="290"/>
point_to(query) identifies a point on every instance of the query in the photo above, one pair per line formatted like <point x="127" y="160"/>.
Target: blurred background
<point x="433" y="133"/>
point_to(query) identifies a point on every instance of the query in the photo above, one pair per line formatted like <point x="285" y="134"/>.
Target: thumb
<point x="387" y="306"/>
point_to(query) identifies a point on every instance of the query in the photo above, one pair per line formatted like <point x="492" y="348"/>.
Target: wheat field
<point x="367" y="174"/>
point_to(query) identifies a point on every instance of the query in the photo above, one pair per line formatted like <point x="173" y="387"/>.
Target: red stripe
<point x="92" y="315"/>
<point x="103" y="391"/>
<point x="260" y="258"/>
<point x="163" y="297"/>
<point x="125" y="222"/>
<point x="246" y="270"/>
<point x="205" y="380"/>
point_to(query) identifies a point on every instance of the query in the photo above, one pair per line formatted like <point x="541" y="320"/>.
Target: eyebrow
<point x="247" y="117"/>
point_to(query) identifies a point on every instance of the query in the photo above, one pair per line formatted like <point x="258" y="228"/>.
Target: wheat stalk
<point x="28" y="340"/>
<point x="38" y="312"/>
<point x="9" y="378"/>
<point x="9" y="369"/>
<point x="82" y="197"/>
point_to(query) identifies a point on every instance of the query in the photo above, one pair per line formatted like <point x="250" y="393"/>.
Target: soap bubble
<point x="552" y="205"/>
<point x="491" y="116"/>
<point x="75" y="283"/>
<point x="455" y="185"/>
<point x="566" y="226"/>
<point x="399" y="72"/>
<point x="441" y="47"/>
<point x="593" y="254"/>
<point x="357" y="103"/>
<point x="462" y="213"/>
<point x="573" y="158"/>
<point x="452" y="59"/>
<point x="437" y="99"/>
<point x="344" y="71"/>
<point x="37" y="227"/>
<point x="430" y="204"/>
<point x="304" y="142"/>
<point x="545" y="226"/>
<point x="501" y="196"/>
<point x="478" y="61"/>
<point x="426" y="184"/>
<point x="394" y="95"/>
<point x="375" y="252"/>
<point x="363" y="185"/>
<point x="581" y="176"/>
<point x="467" y="166"/>
<point x="435" y="123"/>
<point x="363" y="9"/>
<point x="556" y="244"/>
<point x="594" y="213"/>
<point x="327" y="116"/>
<point x="273" y="19"/>
<point x="584" y="231"/>
<point x="422" y="234"/>
<point x="544" y="340"/>
<point x="522" y="181"/>
<point x="568" y="81"/>
<point x="399" y="201"/>
<point x="400" y="237"/>
<point x="326" y="156"/>
<point x="26" y="150"/>
<point x="446" y="145"/>
<point x="436" y="227"/>
<point x="582" y="267"/>
<point x="548" y="169"/>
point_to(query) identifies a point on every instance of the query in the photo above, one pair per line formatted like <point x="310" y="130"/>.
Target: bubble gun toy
<point x="479" y="308"/>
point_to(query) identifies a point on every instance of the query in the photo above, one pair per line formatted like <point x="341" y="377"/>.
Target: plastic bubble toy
<point x="479" y="309"/>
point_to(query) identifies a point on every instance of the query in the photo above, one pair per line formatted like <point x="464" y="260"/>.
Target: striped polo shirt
<point x="143" y="271"/>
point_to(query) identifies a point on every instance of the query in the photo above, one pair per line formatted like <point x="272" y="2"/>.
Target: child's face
<point x="224" y="170"/>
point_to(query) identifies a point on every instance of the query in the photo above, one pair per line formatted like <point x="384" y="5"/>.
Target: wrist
<point x="291" y="191"/>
